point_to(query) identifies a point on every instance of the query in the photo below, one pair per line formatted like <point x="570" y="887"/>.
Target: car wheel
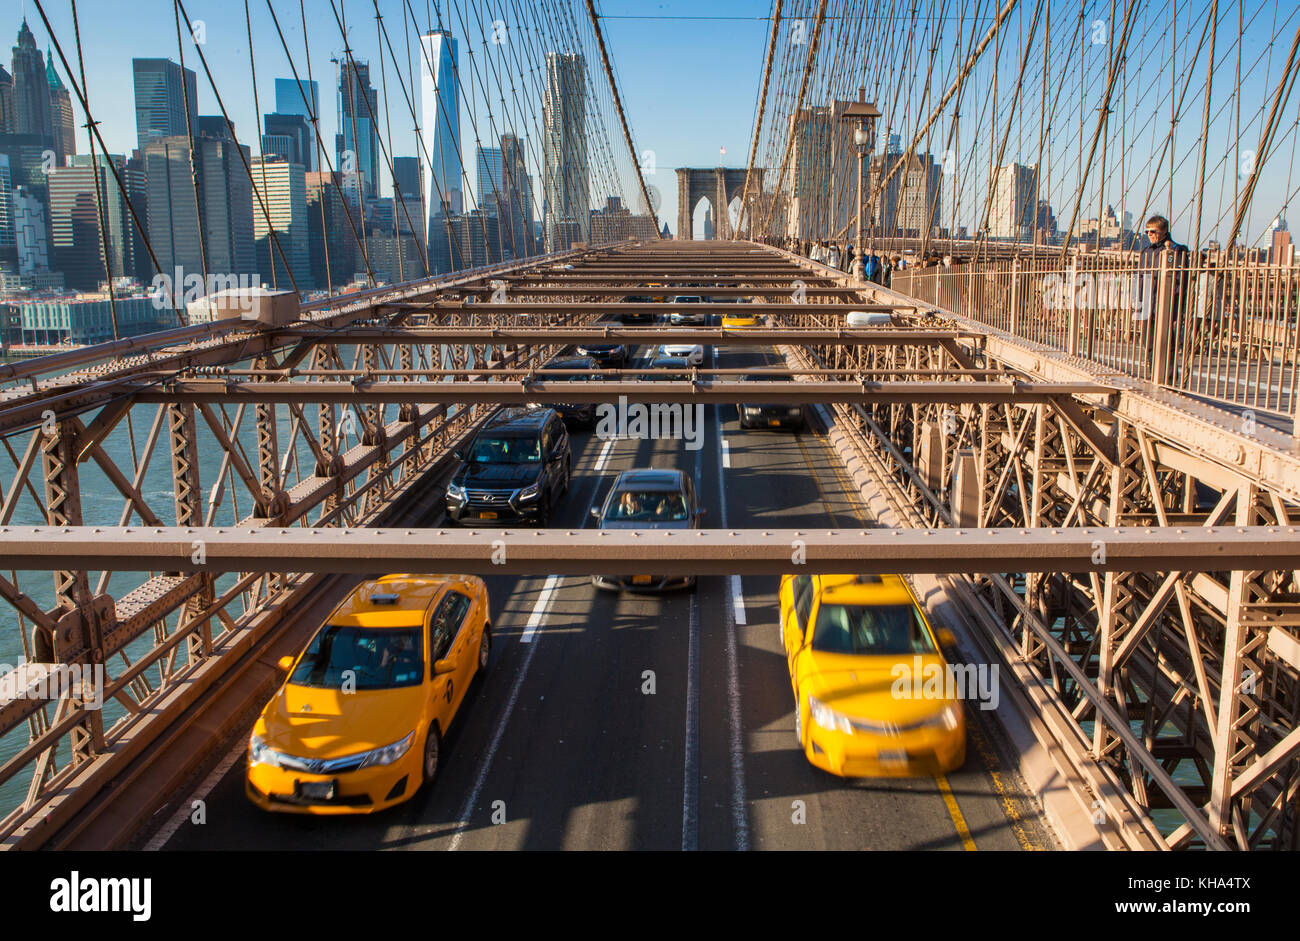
<point x="485" y="648"/>
<point x="432" y="753"/>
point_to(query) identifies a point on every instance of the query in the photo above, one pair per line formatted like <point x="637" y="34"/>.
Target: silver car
<point x="649" y="498"/>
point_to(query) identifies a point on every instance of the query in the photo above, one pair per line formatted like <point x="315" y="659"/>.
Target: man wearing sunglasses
<point x="1160" y="242"/>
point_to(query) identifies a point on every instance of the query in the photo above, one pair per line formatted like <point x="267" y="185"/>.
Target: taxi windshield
<point x="506" y="451"/>
<point x="362" y="658"/>
<point x="870" y="629"/>
<point x="648" y="507"/>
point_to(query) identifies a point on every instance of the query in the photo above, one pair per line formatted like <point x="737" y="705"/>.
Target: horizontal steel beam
<point x="667" y="552"/>
<point x="654" y="307"/>
<point x="640" y="290"/>
<point x="616" y="333"/>
<point x="653" y="391"/>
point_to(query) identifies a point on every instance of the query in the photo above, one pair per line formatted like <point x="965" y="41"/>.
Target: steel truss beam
<point x="670" y="552"/>
<point x="668" y="392"/>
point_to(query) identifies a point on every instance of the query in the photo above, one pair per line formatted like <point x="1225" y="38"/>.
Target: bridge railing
<point x="1225" y="331"/>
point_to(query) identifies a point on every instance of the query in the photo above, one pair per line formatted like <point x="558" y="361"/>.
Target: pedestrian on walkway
<point x="1150" y="288"/>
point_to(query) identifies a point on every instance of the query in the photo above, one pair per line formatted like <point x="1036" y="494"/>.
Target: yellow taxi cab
<point x="658" y="297"/>
<point x="739" y="320"/>
<point x="357" y="726"/>
<point x="863" y="662"/>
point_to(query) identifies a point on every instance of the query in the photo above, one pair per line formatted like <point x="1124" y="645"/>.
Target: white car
<point x="863" y="318"/>
<point x="693" y="353"/>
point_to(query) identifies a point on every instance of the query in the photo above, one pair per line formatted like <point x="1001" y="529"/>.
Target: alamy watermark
<point x="976" y="682"/>
<point x="50" y="681"/>
<point x="178" y="289"/>
<point x="651" y="421"/>
<point x="1098" y="290"/>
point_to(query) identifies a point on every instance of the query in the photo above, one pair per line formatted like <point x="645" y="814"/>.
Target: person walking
<point x="871" y="265"/>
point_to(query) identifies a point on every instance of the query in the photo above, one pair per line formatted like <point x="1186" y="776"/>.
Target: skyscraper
<point x="225" y="199"/>
<point x="566" y="197"/>
<point x="1015" y="202"/>
<point x="810" y="187"/>
<point x="408" y="192"/>
<point x="75" y="222"/>
<point x="31" y="88"/>
<point x="162" y="89"/>
<point x="487" y="163"/>
<point x="281" y="185"/>
<point x="6" y="206"/>
<point x="65" y="139"/>
<point x="331" y="243"/>
<point x="908" y="204"/>
<point x="289" y="136"/>
<point x="6" y="101"/>
<point x="516" y="199"/>
<point x="29" y="232"/>
<point x="440" y="125"/>
<point x="357" y="146"/>
<point x="173" y="221"/>
<point x="291" y="97"/>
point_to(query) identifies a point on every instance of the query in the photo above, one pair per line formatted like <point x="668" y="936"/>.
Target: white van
<point x="862" y="318"/>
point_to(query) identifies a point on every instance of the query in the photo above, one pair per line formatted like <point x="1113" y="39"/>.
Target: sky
<point x="688" y="85"/>
<point x="688" y="72"/>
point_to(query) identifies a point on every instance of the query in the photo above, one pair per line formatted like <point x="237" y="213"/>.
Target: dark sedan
<point x="605" y="355"/>
<point x="575" y="414"/>
<point x="772" y="415"/>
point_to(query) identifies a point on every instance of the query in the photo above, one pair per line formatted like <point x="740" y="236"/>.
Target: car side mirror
<point x="458" y="454"/>
<point x="443" y="667"/>
<point x="595" y="512"/>
<point x="285" y="664"/>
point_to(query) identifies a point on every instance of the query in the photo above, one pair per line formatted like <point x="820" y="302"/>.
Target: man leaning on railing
<point x="1150" y="290"/>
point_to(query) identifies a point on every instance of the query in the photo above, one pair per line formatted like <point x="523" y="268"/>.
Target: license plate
<point x="892" y="758"/>
<point x="642" y="579"/>
<point x="488" y="515"/>
<point x="775" y="422"/>
<point x="316" y="790"/>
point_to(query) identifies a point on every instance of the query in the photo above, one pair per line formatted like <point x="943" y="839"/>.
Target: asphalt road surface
<point x="563" y="747"/>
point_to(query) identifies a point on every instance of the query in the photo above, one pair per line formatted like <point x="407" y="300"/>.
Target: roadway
<point x="561" y="743"/>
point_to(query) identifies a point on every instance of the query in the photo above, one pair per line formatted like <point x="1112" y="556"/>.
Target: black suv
<point x="515" y="469"/>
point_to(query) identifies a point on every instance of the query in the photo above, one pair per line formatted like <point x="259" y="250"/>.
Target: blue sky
<point x="688" y="73"/>
<point x="688" y="85"/>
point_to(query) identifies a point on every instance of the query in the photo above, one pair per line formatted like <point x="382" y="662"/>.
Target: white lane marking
<point x="604" y="455"/>
<point x="486" y="763"/>
<point x="691" y="780"/>
<point x="186" y="808"/>
<point x="539" y="609"/>
<point x="737" y="598"/>
<point x="726" y="453"/>
<point x="735" y="614"/>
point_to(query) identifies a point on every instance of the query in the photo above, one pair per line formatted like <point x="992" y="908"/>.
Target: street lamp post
<point x="863" y="114"/>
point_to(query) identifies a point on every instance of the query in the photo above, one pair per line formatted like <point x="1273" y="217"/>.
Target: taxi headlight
<point x="259" y="753"/>
<point x="948" y="719"/>
<point x="828" y="718"/>
<point x="389" y="753"/>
